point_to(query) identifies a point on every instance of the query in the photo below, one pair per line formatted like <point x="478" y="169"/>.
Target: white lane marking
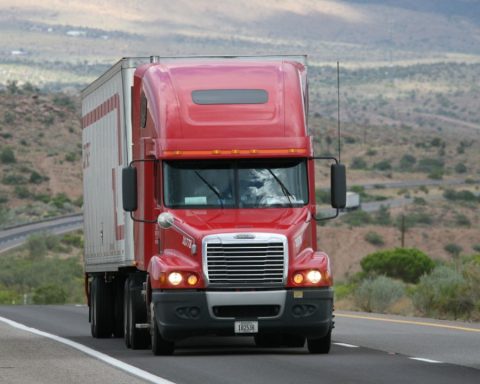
<point x="347" y="345"/>
<point x="91" y="352"/>
<point x="425" y="360"/>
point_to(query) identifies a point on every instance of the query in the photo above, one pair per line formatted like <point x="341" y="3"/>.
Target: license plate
<point x="246" y="326"/>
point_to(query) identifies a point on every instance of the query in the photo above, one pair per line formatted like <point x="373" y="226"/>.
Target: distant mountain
<point x="350" y="30"/>
<point x="468" y="9"/>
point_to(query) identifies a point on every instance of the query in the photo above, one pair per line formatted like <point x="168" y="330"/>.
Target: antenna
<point x="338" y="110"/>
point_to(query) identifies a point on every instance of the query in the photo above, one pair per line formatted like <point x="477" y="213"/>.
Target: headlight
<point x="175" y="278"/>
<point x="314" y="276"/>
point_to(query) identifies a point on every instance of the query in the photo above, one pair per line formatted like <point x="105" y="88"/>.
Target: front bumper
<point x="304" y="312"/>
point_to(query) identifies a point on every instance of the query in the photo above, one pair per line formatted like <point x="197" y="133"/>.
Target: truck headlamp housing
<point x="175" y="278"/>
<point x="314" y="276"/>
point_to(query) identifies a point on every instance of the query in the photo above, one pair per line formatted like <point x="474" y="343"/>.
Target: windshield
<point x="260" y="183"/>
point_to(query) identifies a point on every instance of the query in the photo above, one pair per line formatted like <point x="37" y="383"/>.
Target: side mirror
<point x="165" y="220"/>
<point x="338" y="185"/>
<point x="129" y="189"/>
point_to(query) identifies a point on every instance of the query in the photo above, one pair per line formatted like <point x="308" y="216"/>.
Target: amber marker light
<point x="298" y="278"/>
<point x="175" y="278"/>
<point x="192" y="280"/>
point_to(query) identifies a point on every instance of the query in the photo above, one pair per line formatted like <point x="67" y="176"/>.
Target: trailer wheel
<point x="160" y="346"/>
<point x="101" y="308"/>
<point x="118" y="311"/>
<point x="126" y="325"/>
<point x="321" y="345"/>
<point x="136" y="314"/>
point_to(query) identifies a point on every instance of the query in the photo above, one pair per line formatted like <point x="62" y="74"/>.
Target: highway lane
<point x="237" y="360"/>
<point x="16" y="236"/>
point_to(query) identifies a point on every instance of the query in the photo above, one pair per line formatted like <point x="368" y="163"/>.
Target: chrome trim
<point x="232" y="238"/>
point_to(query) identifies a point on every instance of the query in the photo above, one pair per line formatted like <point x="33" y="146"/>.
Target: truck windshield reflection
<point x="259" y="183"/>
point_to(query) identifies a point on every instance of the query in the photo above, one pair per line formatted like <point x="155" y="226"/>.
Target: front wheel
<point x="160" y="346"/>
<point x="321" y="345"/>
<point x="135" y="313"/>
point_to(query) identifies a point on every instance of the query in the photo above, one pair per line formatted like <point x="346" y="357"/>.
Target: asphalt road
<point x="16" y="236"/>
<point x="378" y="350"/>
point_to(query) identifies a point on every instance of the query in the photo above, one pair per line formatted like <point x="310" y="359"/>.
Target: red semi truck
<point x="199" y="203"/>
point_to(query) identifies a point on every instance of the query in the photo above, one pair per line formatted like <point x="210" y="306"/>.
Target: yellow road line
<point x="422" y="323"/>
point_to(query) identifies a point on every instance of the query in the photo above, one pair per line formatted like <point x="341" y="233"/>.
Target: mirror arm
<point x="328" y="217"/>
<point x="325" y="158"/>
<point x="142" y="221"/>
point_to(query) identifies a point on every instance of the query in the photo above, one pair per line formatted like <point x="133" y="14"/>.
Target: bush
<point x="73" y="239"/>
<point x="36" y="178"/>
<point x="462" y="220"/>
<point x="430" y="165"/>
<point x="38" y="244"/>
<point x="376" y="295"/>
<point x="382" y="216"/>
<point x="49" y="294"/>
<point x="37" y="247"/>
<point x="59" y="200"/>
<point x="24" y="275"/>
<point x="407" y="264"/>
<point x="7" y="156"/>
<point x="22" y="192"/>
<point x="14" y="179"/>
<point x="358" y="163"/>
<point x="322" y="196"/>
<point x="462" y="195"/>
<point x="357" y="218"/>
<point x="443" y="293"/>
<point x="453" y="249"/>
<point x="383" y="165"/>
<point x="71" y="157"/>
<point x="374" y="238"/>
<point x="62" y="100"/>
<point x="419" y="201"/>
<point x="407" y="162"/>
<point x="9" y="118"/>
<point x="343" y="290"/>
<point x="460" y="168"/>
<point x="8" y="296"/>
<point x="416" y="218"/>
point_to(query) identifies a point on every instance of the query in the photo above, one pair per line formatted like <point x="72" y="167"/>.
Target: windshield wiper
<point x="211" y="187"/>
<point x="285" y="191"/>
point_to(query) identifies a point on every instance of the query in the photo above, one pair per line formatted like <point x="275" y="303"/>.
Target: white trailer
<point x="107" y="148"/>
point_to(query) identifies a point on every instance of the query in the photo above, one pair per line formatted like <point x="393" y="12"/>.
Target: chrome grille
<point x="245" y="263"/>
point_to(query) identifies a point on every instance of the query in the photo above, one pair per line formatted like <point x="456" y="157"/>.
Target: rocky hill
<point x="40" y="155"/>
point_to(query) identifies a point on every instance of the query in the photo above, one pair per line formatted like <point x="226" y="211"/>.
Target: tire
<point x="321" y="345"/>
<point x="160" y="346"/>
<point x="136" y="314"/>
<point x="118" y="310"/>
<point x="126" y="325"/>
<point x="101" y="324"/>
